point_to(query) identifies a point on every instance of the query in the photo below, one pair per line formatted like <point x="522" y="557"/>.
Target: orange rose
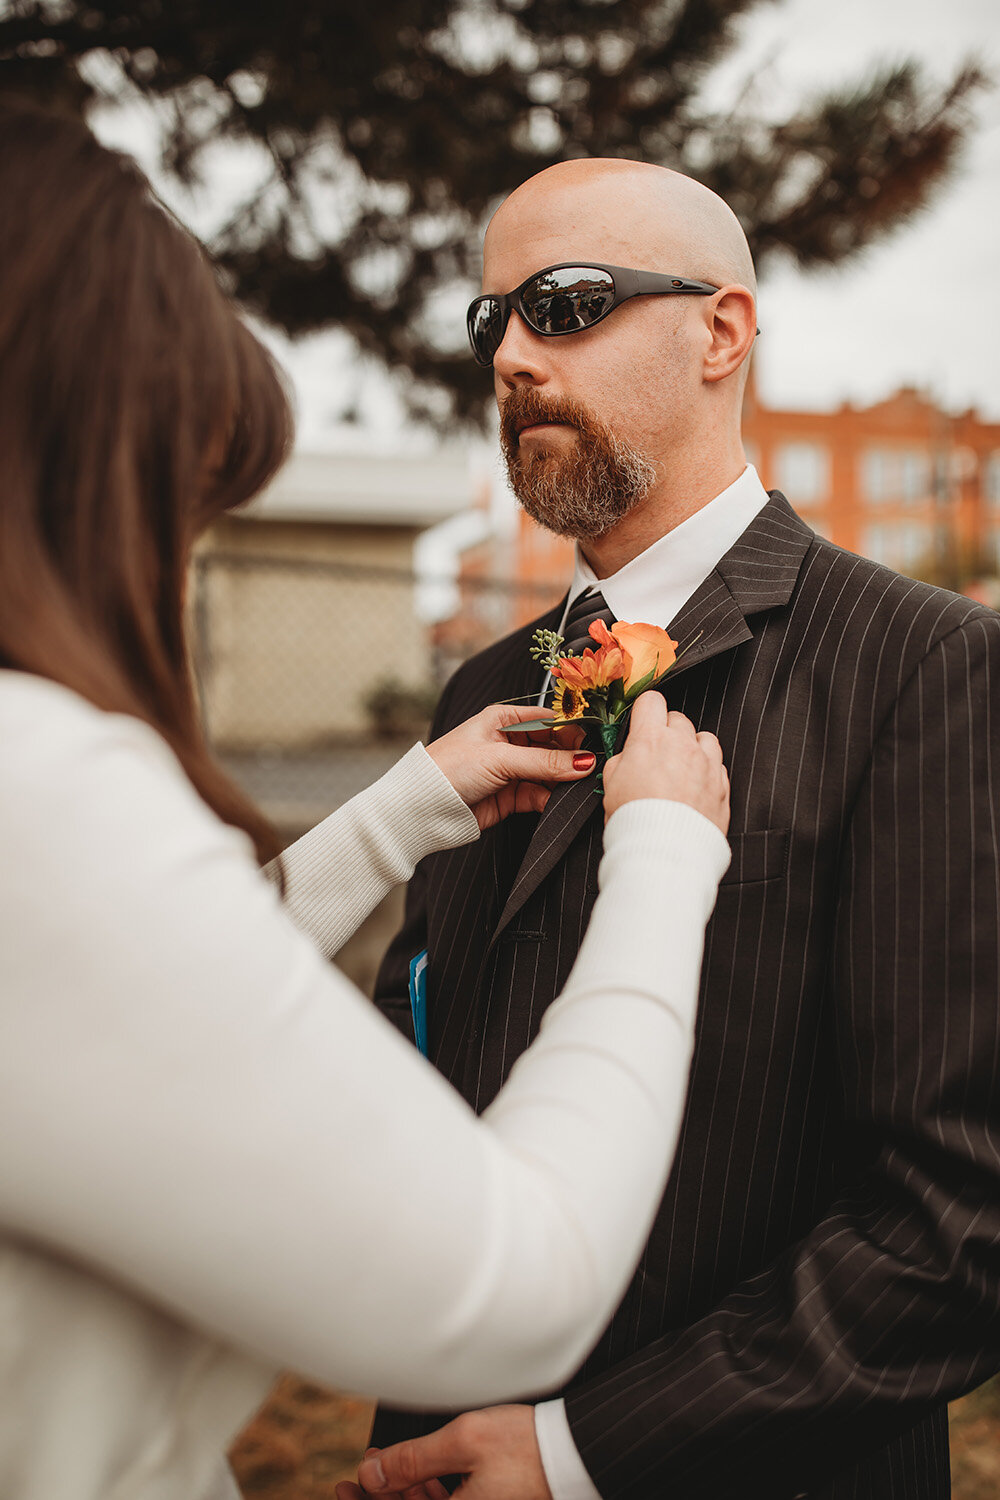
<point x="647" y="647"/>
<point x="594" y="669"/>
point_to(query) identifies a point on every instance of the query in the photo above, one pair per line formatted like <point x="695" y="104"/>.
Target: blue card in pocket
<point x="418" y="999"/>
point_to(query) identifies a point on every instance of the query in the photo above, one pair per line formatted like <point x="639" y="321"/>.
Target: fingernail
<point x="372" y="1474"/>
<point x="584" y="761"/>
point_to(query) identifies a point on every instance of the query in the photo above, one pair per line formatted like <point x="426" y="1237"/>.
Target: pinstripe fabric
<point x="583" y="612"/>
<point x="823" y="1274"/>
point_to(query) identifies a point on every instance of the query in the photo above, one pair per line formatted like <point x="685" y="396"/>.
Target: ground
<point x="305" y="1439"/>
<point x="975" y="1444"/>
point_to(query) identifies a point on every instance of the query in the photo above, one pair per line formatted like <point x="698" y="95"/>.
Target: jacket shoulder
<point x="900" y="606"/>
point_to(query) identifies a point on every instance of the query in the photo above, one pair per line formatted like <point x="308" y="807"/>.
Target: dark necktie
<point x="585" y="609"/>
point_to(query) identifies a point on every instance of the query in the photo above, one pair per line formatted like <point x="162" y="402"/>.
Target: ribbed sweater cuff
<point x="411" y="811"/>
<point x="653" y="826"/>
<point x="432" y="815"/>
<point x="339" y="871"/>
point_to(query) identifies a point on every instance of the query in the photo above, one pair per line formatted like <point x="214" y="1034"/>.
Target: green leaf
<point x="531" y="725"/>
<point x="642" y="685"/>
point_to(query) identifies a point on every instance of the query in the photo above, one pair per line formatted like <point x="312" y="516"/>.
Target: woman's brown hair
<point x="134" y="407"/>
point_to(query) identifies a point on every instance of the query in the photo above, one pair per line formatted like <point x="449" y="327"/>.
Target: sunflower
<point x="568" y="701"/>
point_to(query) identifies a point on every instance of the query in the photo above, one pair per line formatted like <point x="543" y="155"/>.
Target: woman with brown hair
<point x="215" y="1157"/>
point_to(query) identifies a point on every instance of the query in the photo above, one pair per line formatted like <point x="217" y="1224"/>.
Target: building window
<point x="991" y="481"/>
<point x="802" y="472"/>
<point x="916" y="546"/>
<point x="877" y="542"/>
<point x="894" y="474"/>
<point x="905" y="546"/>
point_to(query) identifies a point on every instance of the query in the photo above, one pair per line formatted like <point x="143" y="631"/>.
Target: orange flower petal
<point x="594" y="669"/>
<point x="649" y="648"/>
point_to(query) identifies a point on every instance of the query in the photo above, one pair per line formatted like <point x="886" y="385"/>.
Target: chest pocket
<point x="759" y="855"/>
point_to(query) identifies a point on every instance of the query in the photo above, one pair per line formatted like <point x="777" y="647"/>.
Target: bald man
<point x="823" y="1274"/>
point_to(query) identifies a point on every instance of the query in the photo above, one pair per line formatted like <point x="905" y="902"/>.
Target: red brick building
<point x="902" y="481"/>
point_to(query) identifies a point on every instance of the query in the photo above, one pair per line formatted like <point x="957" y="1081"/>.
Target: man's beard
<point x="580" y="493"/>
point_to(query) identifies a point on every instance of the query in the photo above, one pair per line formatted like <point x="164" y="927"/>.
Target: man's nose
<point x="523" y="356"/>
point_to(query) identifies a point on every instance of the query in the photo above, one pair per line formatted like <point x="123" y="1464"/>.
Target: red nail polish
<point x="584" y="761"/>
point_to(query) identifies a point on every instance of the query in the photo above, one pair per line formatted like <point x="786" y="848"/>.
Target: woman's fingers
<point x="497" y="772"/>
<point x="499" y="715"/>
<point x="649" y="713"/>
<point x="515" y="797"/>
<point x="539" y="763"/>
<point x="666" y="757"/>
<point x="510" y="713"/>
<point x="711" y="747"/>
<point x="680" y="723"/>
<point x="569" y="737"/>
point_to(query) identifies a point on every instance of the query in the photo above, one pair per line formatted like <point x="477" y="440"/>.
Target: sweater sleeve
<point x="340" y="870"/>
<point x="195" y="1104"/>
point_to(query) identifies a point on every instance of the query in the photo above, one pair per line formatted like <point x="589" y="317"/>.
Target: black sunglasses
<point x="566" y="299"/>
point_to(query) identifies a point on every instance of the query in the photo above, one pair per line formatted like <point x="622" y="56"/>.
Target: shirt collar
<point x="652" y="587"/>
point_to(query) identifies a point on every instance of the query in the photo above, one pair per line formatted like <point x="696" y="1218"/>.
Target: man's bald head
<point x="622" y="428"/>
<point x="625" y="213"/>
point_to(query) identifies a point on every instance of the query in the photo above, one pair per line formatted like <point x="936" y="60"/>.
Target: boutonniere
<point x="595" y="690"/>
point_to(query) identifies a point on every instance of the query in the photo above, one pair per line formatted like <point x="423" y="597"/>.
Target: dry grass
<point x="301" y="1443"/>
<point x="305" y="1439"/>
<point x="975" y="1444"/>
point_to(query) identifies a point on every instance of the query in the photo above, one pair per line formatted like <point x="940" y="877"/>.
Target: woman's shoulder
<point x="74" y="777"/>
<point x="43" y="723"/>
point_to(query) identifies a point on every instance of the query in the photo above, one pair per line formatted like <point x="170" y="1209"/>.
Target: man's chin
<point x="557" y="521"/>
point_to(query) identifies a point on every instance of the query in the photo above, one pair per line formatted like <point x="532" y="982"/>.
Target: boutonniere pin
<point x="595" y="690"/>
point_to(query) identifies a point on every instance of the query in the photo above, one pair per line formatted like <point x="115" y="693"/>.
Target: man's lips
<point x="539" y="424"/>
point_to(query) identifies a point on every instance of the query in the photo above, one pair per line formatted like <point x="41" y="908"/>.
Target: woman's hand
<point x="494" y="775"/>
<point x="665" y="757"/>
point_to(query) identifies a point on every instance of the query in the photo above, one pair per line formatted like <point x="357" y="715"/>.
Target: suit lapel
<point x="758" y="573"/>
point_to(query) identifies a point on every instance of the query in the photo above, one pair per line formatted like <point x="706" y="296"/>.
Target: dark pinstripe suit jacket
<point x="824" y="1271"/>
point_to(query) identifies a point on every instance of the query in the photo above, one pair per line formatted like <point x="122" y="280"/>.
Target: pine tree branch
<point x="393" y="105"/>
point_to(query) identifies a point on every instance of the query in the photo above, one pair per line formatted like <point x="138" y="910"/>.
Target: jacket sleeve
<point x="890" y="1306"/>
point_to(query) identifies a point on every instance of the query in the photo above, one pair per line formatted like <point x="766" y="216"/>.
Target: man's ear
<point x="732" y="323"/>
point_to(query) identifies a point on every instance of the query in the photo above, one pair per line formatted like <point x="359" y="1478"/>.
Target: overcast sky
<point x="922" y="309"/>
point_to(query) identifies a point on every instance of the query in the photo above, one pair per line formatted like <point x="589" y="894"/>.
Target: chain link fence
<point x="315" y="675"/>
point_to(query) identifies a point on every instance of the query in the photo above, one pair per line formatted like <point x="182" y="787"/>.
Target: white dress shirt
<point x="651" y="590"/>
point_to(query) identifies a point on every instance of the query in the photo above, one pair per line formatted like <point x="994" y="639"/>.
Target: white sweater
<point x="217" y="1159"/>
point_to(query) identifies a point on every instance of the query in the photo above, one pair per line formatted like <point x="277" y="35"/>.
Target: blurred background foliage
<point x="388" y="132"/>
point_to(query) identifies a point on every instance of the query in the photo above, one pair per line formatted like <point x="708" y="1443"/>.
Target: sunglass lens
<point x="485" y="331"/>
<point x="571" y="298"/>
